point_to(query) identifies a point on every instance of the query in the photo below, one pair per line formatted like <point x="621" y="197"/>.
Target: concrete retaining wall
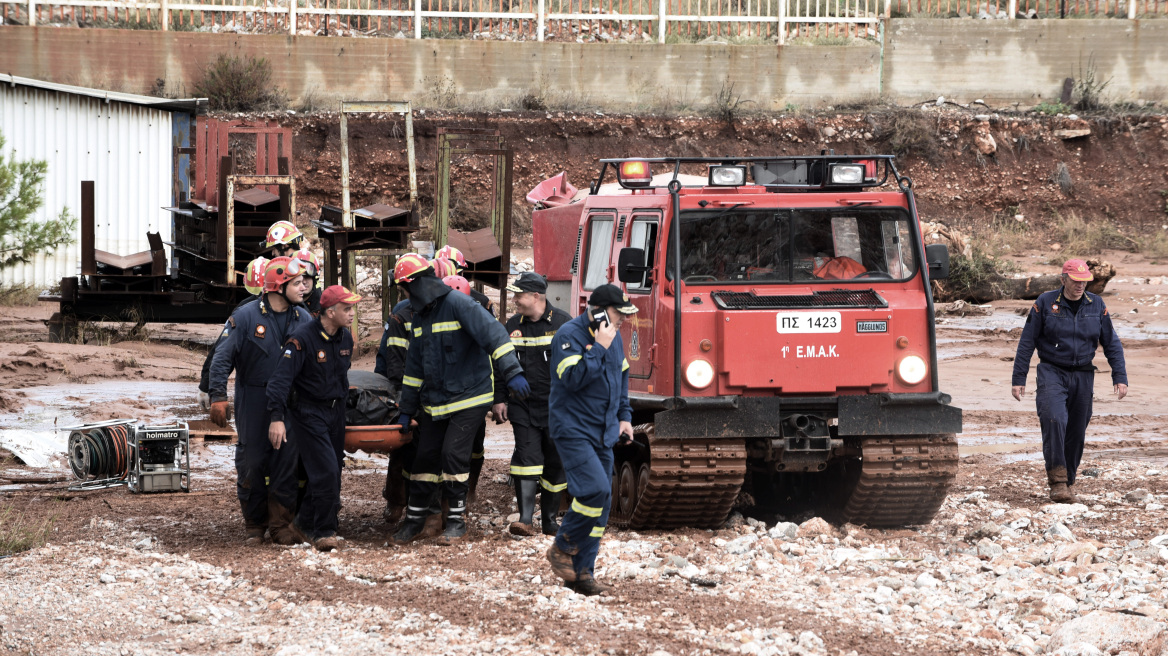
<point x="1021" y="61"/>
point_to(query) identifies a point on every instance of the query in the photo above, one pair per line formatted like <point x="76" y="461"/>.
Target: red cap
<point x="1078" y="271"/>
<point x="337" y="294"/>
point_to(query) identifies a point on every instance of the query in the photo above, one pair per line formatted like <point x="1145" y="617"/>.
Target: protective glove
<point x="220" y="413"/>
<point x="204" y="401"/>
<point x="405" y="423"/>
<point x="518" y="387"/>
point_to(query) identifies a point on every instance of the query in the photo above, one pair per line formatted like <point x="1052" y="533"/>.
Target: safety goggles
<point x="299" y="267"/>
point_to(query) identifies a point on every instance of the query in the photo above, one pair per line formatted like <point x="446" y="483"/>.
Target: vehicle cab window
<point x="643" y="235"/>
<point x="599" y="251"/>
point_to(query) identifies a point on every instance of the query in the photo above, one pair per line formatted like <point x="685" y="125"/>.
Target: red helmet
<point x="458" y="284"/>
<point x="449" y="252"/>
<point x="253" y="277"/>
<point x="310" y="260"/>
<point x="280" y="270"/>
<point x="443" y="267"/>
<point x="409" y="265"/>
<point x="282" y="232"/>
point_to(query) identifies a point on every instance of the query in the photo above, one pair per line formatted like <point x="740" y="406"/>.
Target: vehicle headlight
<point x="847" y="174"/>
<point x="699" y="374"/>
<point x="911" y="369"/>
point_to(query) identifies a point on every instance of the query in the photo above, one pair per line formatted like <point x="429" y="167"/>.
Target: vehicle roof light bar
<point x="802" y="173"/>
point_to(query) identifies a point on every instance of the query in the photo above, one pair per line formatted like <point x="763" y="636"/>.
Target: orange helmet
<point x="253" y="277"/>
<point x="449" y="252"/>
<point x="443" y="267"/>
<point x="282" y="232"/>
<point x="409" y="265"/>
<point x="458" y="284"/>
<point x="280" y="270"/>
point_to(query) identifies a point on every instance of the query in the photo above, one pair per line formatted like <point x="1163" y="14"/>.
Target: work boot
<point x="280" y="523"/>
<point x="587" y="585"/>
<point x="436" y="520"/>
<point x="411" y="528"/>
<point x="561" y="563"/>
<point x="476" y="468"/>
<point x="255" y="536"/>
<point x="525" y="490"/>
<point x="455" y="523"/>
<point x="394" y="494"/>
<point x="1059" y="493"/>
<point x="549" y="509"/>
<point x="330" y="543"/>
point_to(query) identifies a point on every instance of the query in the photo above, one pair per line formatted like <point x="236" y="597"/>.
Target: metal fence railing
<point x="659" y="21"/>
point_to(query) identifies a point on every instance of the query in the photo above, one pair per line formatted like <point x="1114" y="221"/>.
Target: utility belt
<point x="295" y="400"/>
<point x="1087" y="367"/>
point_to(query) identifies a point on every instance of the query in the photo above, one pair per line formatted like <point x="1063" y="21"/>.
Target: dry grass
<point x="18" y="295"/>
<point x="19" y="533"/>
<point x="1083" y="238"/>
<point x="908" y="133"/>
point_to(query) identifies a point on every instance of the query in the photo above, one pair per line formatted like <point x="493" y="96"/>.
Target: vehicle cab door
<point x="642" y="232"/>
<point x="595" y="257"/>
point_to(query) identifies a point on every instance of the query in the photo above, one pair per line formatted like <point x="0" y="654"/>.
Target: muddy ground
<point x="993" y="574"/>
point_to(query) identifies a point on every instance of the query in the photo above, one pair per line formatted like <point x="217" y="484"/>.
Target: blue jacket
<point x="395" y="344"/>
<point x="315" y="365"/>
<point x="1068" y="340"/>
<point x="590" y="385"/>
<point x="449" y="363"/>
<point x="251" y="343"/>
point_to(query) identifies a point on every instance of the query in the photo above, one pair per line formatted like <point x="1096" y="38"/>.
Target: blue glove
<point x="519" y="387"/>
<point x="405" y="423"/>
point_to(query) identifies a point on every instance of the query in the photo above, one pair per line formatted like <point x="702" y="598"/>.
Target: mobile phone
<point x="599" y="318"/>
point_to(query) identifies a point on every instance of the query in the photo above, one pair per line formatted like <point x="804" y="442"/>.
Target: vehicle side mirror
<point x="937" y="255"/>
<point x="630" y="265"/>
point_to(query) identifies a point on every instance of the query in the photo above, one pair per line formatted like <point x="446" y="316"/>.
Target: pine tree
<point x="21" y="195"/>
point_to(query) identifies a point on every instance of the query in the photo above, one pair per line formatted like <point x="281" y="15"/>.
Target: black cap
<point x="528" y="281"/>
<point x="606" y="295"/>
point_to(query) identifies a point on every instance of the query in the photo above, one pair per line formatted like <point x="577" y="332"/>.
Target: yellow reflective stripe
<point x="587" y="511"/>
<point x="543" y="482"/>
<point x="411" y="381"/>
<point x="625" y="365"/>
<point x="478" y="456"/>
<point x="446" y="326"/>
<point x="565" y="363"/>
<point x="409" y="325"/>
<point x="503" y="350"/>
<point x="546" y="340"/>
<point x="405" y="475"/>
<point x="481" y="399"/>
<point x="400" y="342"/>
<point x="535" y="470"/>
<point x="426" y="478"/>
<point x="461" y="478"/>
<point x="417" y="332"/>
<point x="597" y="532"/>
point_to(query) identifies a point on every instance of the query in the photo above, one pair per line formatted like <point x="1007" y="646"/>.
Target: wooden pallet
<point x="204" y="430"/>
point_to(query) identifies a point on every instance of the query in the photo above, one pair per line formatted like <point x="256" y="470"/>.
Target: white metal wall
<point x="124" y="148"/>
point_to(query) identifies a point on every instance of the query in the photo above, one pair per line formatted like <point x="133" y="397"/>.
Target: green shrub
<point x="240" y="84"/>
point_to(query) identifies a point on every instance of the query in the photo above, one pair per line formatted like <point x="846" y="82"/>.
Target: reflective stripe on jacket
<point x="590" y="385"/>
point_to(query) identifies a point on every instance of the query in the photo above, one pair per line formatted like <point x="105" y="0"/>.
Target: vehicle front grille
<point x="833" y="298"/>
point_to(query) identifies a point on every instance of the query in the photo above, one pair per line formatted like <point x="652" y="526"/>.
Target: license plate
<point x="871" y="326"/>
<point x="808" y="322"/>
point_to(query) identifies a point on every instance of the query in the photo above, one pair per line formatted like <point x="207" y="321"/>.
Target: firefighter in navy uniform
<point x="253" y="341"/>
<point x="448" y="385"/>
<point x="479" y="451"/>
<point x="1066" y="326"/>
<point x="534" y="463"/>
<point x="589" y="412"/>
<point x="391" y="363"/>
<point x="306" y="399"/>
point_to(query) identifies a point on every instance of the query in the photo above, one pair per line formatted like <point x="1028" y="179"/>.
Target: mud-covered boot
<point x="587" y="585"/>
<point x="394" y="494"/>
<point x="455" y="523"/>
<point x="525" y="490"/>
<point x="549" y="509"/>
<point x="255" y="536"/>
<point x="561" y="562"/>
<point x="476" y="468"/>
<point x="280" y="523"/>
<point x="435" y="520"/>
<point x="1057" y="478"/>
<point x="411" y="527"/>
<point x="330" y="543"/>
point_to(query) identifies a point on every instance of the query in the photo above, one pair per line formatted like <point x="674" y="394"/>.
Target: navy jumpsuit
<point x="1066" y="341"/>
<point x="589" y="398"/>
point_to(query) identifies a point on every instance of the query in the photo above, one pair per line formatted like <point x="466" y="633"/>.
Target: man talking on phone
<point x="588" y="413"/>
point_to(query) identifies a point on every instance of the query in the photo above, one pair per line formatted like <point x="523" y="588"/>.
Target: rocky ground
<point x="999" y="571"/>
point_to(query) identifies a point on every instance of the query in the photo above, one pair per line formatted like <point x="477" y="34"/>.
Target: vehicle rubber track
<point x="687" y="482"/>
<point x="903" y="480"/>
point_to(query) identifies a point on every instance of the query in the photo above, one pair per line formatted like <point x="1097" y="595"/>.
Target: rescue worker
<point x="448" y="385"/>
<point x="391" y="363"/>
<point x="534" y="463"/>
<point x="306" y="399"/>
<point x="283" y="238"/>
<point x="1066" y="326"/>
<point x="253" y="341"/>
<point x="589" y="412"/>
<point x="478" y="453"/>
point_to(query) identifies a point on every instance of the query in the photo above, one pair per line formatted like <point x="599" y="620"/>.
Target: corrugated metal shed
<point x="121" y="141"/>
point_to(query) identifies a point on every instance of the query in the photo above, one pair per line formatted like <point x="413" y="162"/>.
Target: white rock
<point x="1151" y="507"/>
<point x="1107" y="631"/>
<point x="844" y="554"/>
<point x="1059" y="532"/>
<point x="926" y="580"/>
<point x="814" y="527"/>
<point x="1078" y="649"/>
<point x="1019" y="524"/>
<point x="988" y="549"/>
<point x="1072" y="551"/>
<point x="810" y="641"/>
<point x="1062" y="603"/>
<point x="784" y="531"/>
<point x="1064" y="509"/>
<point x="1159" y="540"/>
<point x="144" y="543"/>
<point x="739" y="546"/>
<point x="1023" y="644"/>
<point x="107" y="578"/>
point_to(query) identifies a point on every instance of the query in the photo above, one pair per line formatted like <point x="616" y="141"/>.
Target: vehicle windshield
<point x="770" y="245"/>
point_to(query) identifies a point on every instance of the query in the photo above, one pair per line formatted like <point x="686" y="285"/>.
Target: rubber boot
<point x="549" y="508"/>
<point x="525" y="490"/>
<point x="455" y="523"/>
<point x="1057" y="478"/>
<point x="280" y="524"/>
<point x="476" y="468"/>
<point x="411" y="527"/>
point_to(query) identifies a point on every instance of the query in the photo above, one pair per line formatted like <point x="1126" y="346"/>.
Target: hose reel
<point x="121" y="452"/>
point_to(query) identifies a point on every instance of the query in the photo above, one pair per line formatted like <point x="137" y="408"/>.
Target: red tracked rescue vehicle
<point x="785" y="342"/>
